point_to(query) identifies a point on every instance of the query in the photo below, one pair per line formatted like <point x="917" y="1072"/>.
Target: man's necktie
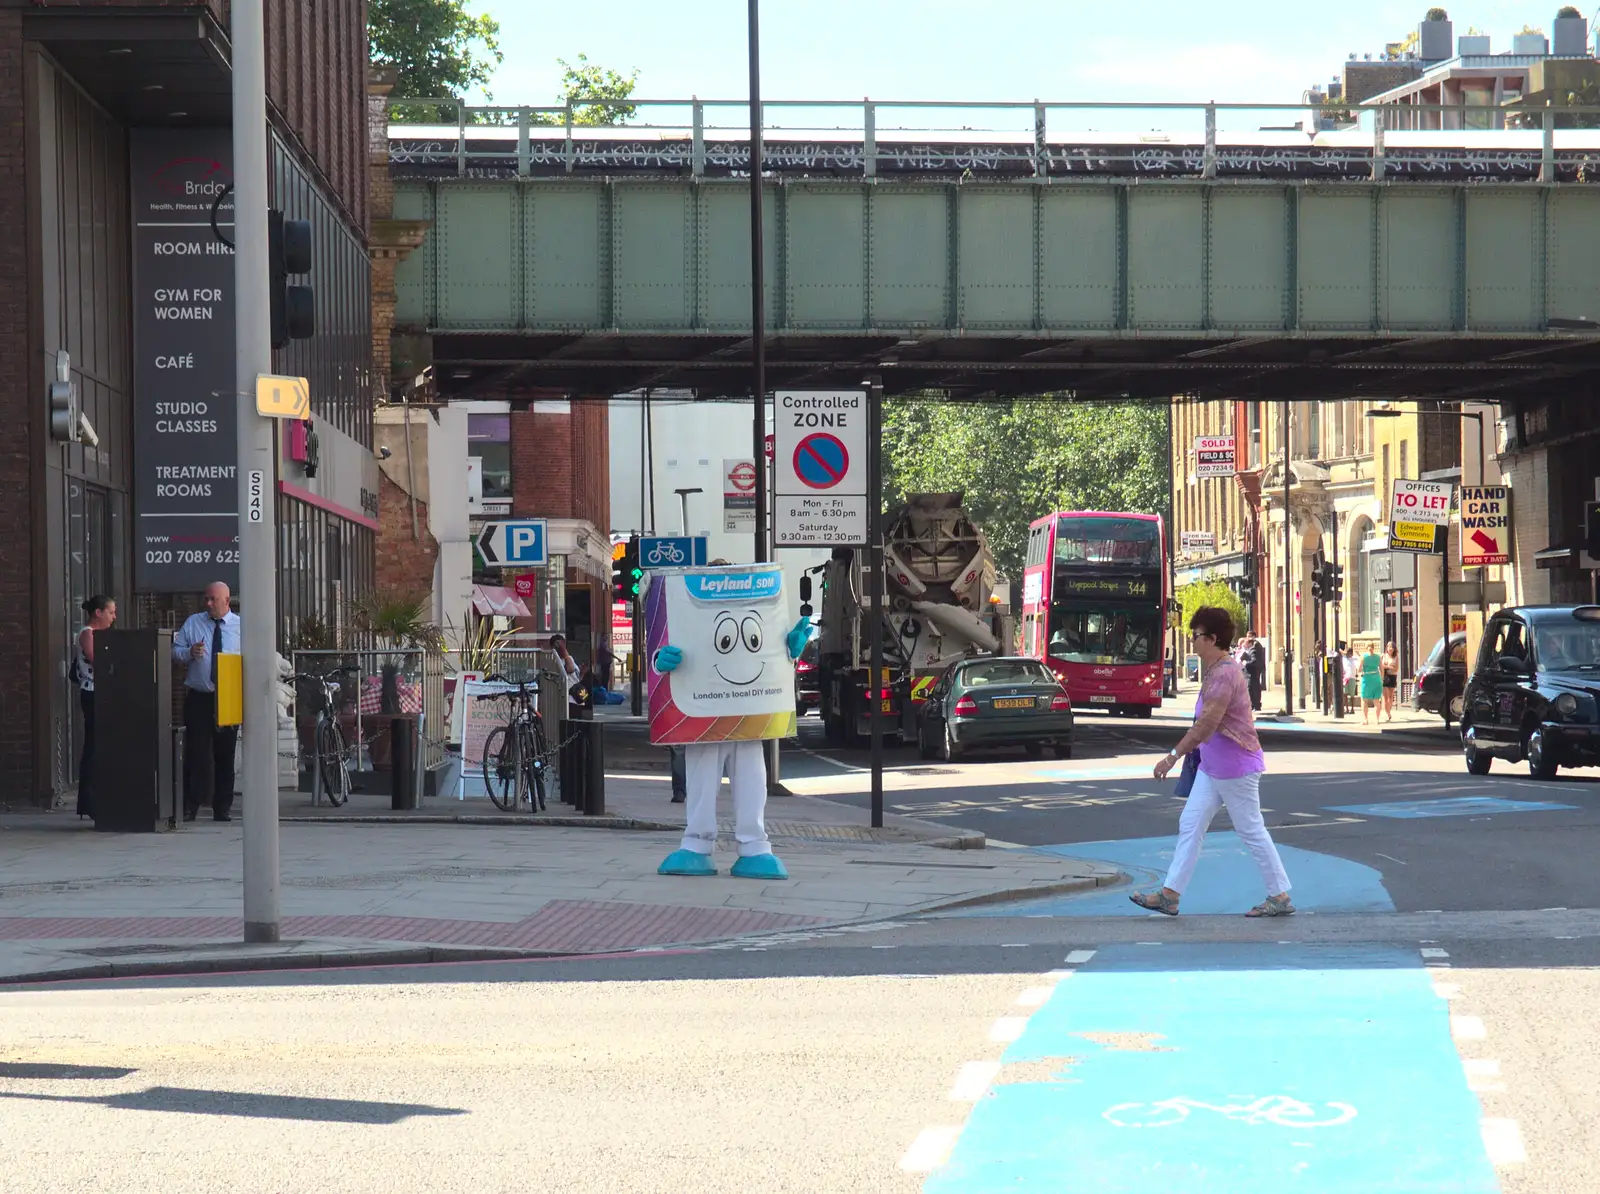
<point x="216" y="649"/>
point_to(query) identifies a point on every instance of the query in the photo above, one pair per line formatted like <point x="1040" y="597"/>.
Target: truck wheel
<point x="1063" y="750"/>
<point x="1143" y="711"/>
<point x="833" y="730"/>
<point x="1033" y="750"/>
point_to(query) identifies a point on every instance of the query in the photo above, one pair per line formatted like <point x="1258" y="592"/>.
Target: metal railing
<point x="1038" y="139"/>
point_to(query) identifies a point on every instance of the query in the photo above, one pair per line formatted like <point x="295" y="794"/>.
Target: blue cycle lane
<point x="1234" y="1069"/>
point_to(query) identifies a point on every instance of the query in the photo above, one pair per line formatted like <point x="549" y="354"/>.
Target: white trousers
<point x="745" y="765"/>
<point x="1243" y="798"/>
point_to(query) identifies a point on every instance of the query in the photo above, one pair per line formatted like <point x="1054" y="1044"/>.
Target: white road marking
<point x="1392" y="858"/>
<point x="1079" y="956"/>
<point x="929" y="1150"/>
<point x="999" y="845"/>
<point x="972" y="1080"/>
<point x="1482" y="1074"/>
<point x="1055" y="976"/>
<point x="1561" y="909"/>
<point x="1035" y="996"/>
<point x="1468" y="1028"/>
<point x="1502" y="1140"/>
<point x="1435" y="952"/>
<point x="1007" y="1029"/>
<point x="1447" y="990"/>
<point x="883" y="947"/>
<point x="1312" y="815"/>
<point x="1013" y="945"/>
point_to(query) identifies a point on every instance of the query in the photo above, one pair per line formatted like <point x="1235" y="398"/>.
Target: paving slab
<point x="77" y="903"/>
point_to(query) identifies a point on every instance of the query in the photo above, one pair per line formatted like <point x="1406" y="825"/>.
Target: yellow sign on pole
<point x="230" y="689"/>
<point x="283" y="397"/>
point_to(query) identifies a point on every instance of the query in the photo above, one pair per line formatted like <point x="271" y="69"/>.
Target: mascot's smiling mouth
<point x="741" y="683"/>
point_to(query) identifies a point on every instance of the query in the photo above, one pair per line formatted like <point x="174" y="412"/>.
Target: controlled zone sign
<point x="820" y="468"/>
<point x="1418" y="513"/>
<point x="1485" y="525"/>
<point x="520" y="544"/>
<point x="1214" y="456"/>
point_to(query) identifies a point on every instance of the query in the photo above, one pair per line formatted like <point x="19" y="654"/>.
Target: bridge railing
<point x="1019" y="139"/>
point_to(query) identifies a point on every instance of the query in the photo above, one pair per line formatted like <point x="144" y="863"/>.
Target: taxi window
<point x="1566" y="646"/>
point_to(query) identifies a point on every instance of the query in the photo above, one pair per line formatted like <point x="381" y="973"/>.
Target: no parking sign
<point x="820" y="462"/>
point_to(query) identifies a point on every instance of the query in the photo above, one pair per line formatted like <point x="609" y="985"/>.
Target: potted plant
<point x="398" y="621"/>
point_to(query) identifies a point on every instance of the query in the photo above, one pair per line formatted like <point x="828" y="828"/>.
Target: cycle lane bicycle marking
<point x="1316" y="1068"/>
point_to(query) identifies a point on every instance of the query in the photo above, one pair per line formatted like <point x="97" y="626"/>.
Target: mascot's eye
<point x="725" y="635"/>
<point x="751" y="629"/>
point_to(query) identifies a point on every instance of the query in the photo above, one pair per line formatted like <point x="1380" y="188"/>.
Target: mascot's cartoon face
<point x="727" y="621"/>
<point x="737" y="637"/>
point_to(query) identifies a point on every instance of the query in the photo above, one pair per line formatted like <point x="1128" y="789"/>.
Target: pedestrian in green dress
<point x="1371" y="683"/>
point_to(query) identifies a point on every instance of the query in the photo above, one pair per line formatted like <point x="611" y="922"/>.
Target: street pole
<point x="1169" y="680"/>
<point x="258" y="598"/>
<point x="1288" y="577"/>
<point x="1338" y="677"/>
<point x="758" y="325"/>
<point x="875" y="563"/>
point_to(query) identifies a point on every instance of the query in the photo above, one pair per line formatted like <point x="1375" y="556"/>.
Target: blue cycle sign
<point x="674" y="551"/>
<point x="820" y="468"/>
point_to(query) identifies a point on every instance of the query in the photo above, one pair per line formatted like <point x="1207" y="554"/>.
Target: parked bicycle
<point x="330" y="756"/>
<point x="517" y="754"/>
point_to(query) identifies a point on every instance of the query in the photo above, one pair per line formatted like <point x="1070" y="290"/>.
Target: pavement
<point x="416" y="887"/>
<point x="1407" y="724"/>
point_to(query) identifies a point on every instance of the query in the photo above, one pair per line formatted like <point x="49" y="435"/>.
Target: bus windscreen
<point x="1131" y="542"/>
<point x="1104" y="634"/>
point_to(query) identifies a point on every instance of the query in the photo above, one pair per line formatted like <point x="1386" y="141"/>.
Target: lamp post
<point x="683" y="507"/>
<point x="1444" y="568"/>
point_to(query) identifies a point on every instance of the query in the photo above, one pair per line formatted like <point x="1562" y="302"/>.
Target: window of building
<point x="489" y="441"/>
<point x="1313" y="430"/>
<point x="1405" y="468"/>
<point x="1252" y="417"/>
<point x="1366" y="608"/>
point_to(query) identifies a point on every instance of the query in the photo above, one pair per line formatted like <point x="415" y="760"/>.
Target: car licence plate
<point x="1102" y="700"/>
<point x="1013" y="702"/>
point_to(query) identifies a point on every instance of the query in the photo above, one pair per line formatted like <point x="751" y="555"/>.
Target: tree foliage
<point x="1213" y="590"/>
<point x="437" y="47"/>
<point x="1016" y="461"/>
<point x="584" y="85"/>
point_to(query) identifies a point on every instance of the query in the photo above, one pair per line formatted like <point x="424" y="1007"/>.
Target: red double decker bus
<point x="1094" y="601"/>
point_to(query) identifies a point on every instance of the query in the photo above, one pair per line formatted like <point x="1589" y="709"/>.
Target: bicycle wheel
<point x="538" y="763"/>
<point x="332" y="772"/>
<point x="501" y="770"/>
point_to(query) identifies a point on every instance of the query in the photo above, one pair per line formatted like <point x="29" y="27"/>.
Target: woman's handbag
<point x="1191" y="768"/>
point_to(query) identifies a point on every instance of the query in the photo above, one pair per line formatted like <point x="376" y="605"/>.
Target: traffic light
<point x="1247" y="589"/>
<point x="632" y="574"/>
<point x="1319" y="591"/>
<point x="619" y="569"/>
<point x="1591" y="527"/>
<point x="64" y="411"/>
<point x="1336" y="582"/>
<point x="294" y="310"/>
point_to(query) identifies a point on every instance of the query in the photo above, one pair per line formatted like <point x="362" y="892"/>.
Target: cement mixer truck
<point x="939" y="579"/>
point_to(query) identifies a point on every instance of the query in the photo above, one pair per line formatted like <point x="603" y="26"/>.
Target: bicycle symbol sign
<point x="821" y="460"/>
<point x="664" y="554"/>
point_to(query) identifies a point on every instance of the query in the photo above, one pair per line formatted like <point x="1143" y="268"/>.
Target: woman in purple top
<point x="1229" y="774"/>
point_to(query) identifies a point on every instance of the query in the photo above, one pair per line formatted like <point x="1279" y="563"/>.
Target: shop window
<point x="489" y="441"/>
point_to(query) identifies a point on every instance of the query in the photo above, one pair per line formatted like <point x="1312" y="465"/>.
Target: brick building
<point x="115" y="165"/>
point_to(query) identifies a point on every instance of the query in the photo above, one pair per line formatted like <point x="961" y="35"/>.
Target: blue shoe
<point x="759" y="866"/>
<point x="687" y="862"/>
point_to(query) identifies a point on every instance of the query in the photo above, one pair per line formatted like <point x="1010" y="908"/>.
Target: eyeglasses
<point x="1201" y="634"/>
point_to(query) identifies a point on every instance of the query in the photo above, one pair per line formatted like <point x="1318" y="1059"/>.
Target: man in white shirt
<point x="207" y="747"/>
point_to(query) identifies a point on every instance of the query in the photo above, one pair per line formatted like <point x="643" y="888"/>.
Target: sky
<point x="1236" y="51"/>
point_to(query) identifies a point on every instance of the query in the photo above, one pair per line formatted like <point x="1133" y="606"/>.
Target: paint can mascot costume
<point x="721" y="681"/>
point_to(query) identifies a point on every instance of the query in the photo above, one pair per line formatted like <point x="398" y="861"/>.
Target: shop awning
<point x="1565" y="555"/>
<point x="499" y="601"/>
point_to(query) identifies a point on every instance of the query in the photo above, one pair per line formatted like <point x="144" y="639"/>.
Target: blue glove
<point x="668" y="658"/>
<point x="797" y="638"/>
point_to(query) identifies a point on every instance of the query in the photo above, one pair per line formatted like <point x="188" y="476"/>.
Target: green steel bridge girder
<point x="1107" y="288"/>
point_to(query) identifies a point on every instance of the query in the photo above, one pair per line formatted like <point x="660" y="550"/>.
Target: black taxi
<point x="1535" y="692"/>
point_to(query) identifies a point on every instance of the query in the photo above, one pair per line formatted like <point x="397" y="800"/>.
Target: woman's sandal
<point x="1156" y="901"/>
<point x="1272" y="906"/>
